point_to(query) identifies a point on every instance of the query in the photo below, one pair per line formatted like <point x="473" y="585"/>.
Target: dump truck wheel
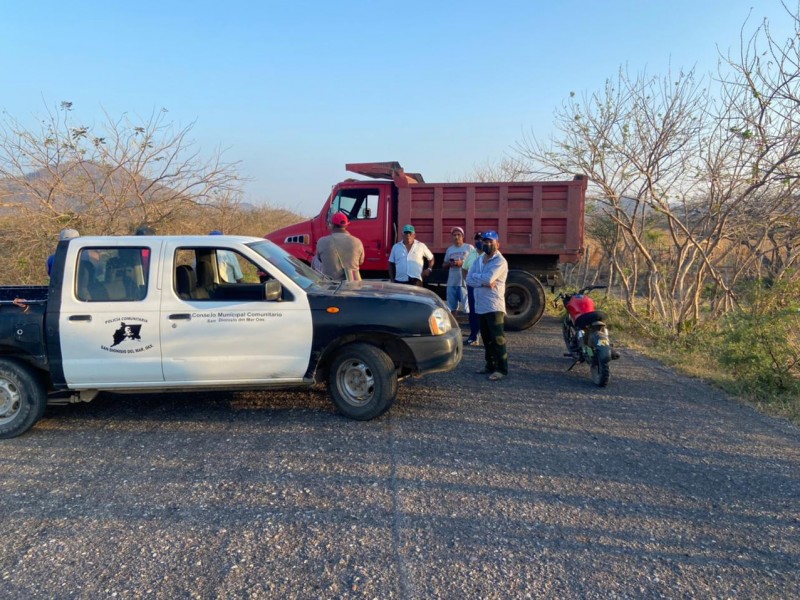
<point x="525" y="300"/>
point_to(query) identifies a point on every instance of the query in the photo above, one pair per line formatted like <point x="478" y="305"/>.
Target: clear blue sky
<point x="296" y="89"/>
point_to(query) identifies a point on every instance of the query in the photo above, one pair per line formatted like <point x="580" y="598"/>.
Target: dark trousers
<point x="474" y="325"/>
<point x="494" y="341"/>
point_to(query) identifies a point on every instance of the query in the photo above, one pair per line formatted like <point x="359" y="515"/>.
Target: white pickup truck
<point x="145" y="314"/>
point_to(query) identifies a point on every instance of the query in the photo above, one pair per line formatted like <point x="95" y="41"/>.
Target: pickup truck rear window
<point x="112" y="274"/>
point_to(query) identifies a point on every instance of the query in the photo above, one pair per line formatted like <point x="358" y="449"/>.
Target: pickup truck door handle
<point x="80" y="317"/>
<point x="181" y="317"/>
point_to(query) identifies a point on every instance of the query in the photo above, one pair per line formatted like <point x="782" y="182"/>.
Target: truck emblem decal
<point x="126" y="332"/>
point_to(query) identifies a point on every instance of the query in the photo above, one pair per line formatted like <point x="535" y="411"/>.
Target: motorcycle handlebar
<point x="589" y="288"/>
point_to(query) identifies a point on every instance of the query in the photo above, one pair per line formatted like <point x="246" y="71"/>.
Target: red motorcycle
<point x="586" y="334"/>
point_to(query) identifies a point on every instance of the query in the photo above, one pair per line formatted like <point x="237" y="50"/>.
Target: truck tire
<point x="23" y="398"/>
<point x="525" y="300"/>
<point x="362" y="382"/>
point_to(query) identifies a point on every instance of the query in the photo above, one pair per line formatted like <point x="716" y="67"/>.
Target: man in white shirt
<point x="228" y="264"/>
<point x="406" y="259"/>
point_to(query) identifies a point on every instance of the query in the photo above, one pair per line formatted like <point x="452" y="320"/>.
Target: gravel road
<point x="539" y="486"/>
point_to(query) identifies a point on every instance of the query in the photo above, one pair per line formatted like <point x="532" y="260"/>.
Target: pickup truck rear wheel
<point x="22" y="399"/>
<point x="362" y="381"/>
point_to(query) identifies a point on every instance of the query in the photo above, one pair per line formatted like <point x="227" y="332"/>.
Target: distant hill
<point x="111" y="201"/>
<point x="73" y="187"/>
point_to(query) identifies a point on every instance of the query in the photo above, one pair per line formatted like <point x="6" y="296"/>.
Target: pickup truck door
<point x="109" y="319"/>
<point x="218" y="331"/>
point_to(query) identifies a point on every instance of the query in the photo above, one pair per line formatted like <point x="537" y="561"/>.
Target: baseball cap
<point x="340" y="220"/>
<point x="68" y="234"/>
<point x="409" y="229"/>
<point x="490" y="235"/>
<point x="478" y="236"/>
<point x="454" y="229"/>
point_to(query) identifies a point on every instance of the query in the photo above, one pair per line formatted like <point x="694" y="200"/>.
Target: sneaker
<point x="496" y="376"/>
<point x="472" y="343"/>
<point x="483" y="371"/>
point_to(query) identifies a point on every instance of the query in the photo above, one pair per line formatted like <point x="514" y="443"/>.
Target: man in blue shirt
<point x="487" y="276"/>
<point x="64" y="234"/>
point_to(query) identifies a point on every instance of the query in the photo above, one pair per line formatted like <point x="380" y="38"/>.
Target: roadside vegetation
<point x="109" y="179"/>
<point x="694" y="211"/>
<point x="752" y="353"/>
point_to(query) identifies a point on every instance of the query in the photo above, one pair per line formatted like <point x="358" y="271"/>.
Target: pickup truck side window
<point x="214" y="274"/>
<point x="357" y="204"/>
<point x="112" y="274"/>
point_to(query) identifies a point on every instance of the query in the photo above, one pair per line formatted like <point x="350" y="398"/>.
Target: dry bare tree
<point x="697" y="190"/>
<point x="634" y="140"/>
<point x="104" y="179"/>
<point x="508" y="168"/>
<point x="761" y="87"/>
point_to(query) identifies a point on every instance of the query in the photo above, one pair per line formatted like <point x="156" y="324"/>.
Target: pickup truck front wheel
<point x="22" y="399"/>
<point x="362" y="382"/>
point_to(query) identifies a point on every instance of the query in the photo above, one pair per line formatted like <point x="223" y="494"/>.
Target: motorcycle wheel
<point x="568" y="333"/>
<point x="601" y="372"/>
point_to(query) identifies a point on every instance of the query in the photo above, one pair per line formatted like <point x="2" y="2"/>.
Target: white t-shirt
<point x="228" y="264"/>
<point x="408" y="263"/>
<point x="454" y="277"/>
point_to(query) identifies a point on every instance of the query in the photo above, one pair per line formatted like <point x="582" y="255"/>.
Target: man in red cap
<point x="340" y="254"/>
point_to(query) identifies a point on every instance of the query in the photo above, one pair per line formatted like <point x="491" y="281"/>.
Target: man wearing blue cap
<point x="406" y="259"/>
<point x="487" y="276"/>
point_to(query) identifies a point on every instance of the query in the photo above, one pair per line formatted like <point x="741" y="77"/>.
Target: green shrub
<point x="761" y="341"/>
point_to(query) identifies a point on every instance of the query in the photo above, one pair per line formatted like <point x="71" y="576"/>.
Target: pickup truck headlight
<point x="439" y="321"/>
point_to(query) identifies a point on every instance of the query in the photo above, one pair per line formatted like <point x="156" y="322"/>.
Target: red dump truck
<point x="540" y="224"/>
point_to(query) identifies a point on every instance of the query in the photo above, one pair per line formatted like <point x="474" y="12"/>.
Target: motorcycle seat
<point x="588" y="318"/>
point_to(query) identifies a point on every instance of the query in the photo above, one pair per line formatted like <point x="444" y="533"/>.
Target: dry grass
<point x="693" y="359"/>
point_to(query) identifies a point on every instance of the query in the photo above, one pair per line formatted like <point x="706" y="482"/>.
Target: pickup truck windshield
<point x="292" y="267"/>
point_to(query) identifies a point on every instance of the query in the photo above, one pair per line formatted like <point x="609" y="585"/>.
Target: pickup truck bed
<point x="33" y="293"/>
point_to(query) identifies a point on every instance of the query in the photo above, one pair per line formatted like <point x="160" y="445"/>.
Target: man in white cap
<point x="63" y="235"/>
<point x="453" y="260"/>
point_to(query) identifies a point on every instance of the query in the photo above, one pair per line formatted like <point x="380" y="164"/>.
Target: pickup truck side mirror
<point x="272" y="290"/>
